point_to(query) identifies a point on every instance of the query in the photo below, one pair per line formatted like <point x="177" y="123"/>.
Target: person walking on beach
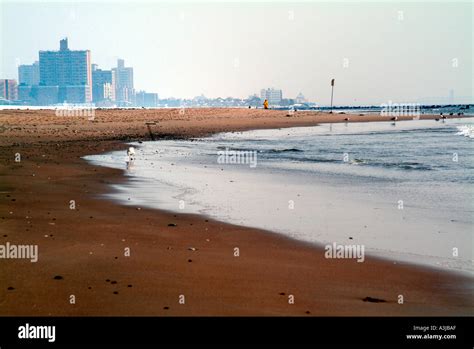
<point x="265" y="104"/>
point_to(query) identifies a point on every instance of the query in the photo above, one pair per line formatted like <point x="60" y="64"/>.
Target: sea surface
<point x="404" y="190"/>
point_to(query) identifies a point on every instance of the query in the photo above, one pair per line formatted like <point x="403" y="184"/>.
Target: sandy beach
<point x="81" y="251"/>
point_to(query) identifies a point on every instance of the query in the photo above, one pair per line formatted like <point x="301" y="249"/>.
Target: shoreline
<point x="185" y="170"/>
<point x="86" y="241"/>
<point x="395" y="257"/>
<point x="310" y="244"/>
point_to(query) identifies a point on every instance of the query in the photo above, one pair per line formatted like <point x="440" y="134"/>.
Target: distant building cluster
<point x="68" y="76"/>
<point x="275" y="98"/>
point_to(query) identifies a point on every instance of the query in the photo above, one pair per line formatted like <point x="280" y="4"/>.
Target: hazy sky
<point x="377" y="52"/>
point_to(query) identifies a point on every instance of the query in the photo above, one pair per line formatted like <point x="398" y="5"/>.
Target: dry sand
<point x="86" y="246"/>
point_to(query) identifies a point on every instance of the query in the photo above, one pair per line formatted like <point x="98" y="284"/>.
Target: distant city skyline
<point x="376" y="52"/>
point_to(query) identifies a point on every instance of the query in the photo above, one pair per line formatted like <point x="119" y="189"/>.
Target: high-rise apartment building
<point x="124" y="89"/>
<point x="70" y="71"/>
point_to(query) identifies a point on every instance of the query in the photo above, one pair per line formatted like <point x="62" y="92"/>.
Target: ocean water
<point x="403" y="190"/>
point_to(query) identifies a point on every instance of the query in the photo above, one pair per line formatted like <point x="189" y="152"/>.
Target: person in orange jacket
<point x="265" y="104"/>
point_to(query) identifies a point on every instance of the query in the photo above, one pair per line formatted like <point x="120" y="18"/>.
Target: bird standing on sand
<point x="131" y="154"/>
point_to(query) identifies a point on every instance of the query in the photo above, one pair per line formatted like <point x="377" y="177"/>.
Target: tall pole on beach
<point x="332" y="92"/>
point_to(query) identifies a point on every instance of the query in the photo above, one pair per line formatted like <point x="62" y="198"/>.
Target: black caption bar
<point x="416" y="332"/>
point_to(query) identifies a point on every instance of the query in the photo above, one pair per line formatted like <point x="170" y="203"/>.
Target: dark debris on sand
<point x="374" y="300"/>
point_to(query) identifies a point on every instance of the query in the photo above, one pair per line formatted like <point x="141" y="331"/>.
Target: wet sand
<point x="82" y="252"/>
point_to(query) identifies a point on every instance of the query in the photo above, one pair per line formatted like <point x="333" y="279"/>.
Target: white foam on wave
<point x="466" y="131"/>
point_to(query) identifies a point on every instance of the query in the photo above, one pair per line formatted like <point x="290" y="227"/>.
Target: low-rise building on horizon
<point x="300" y="99"/>
<point x="146" y="99"/>
<point x="45" y="95"/>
